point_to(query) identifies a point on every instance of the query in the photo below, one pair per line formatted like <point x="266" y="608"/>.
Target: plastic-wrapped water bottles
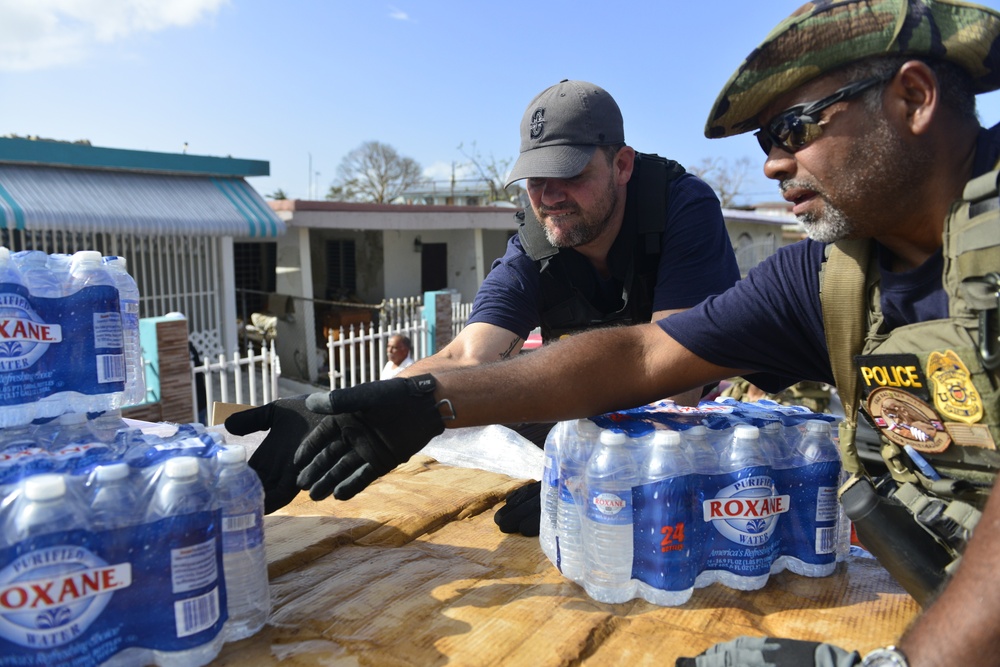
<point x="812" y="478"/>
<point x="610" y="475"/>
<point x="245" y="566"/>
<point x="113" y="498"/>
<point x="550" y="489"/>
<point x="575" y="451"/>
<point x="741" y="513"/>
<point x="17" y="342"/>
<point x="46" y="507"/>
<point x="69" y="428"/>
<point x="668" y="543"/>
<point x="182" y="491"/>
<point x="87" y="270"/>
<point x="128" y="300"/>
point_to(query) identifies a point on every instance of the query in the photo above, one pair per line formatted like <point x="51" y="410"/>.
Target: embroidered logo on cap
<point x="954" y="394"/>
<point x="537" y="123"/>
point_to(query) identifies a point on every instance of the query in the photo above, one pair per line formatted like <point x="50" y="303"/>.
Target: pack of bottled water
<point x="136" y="550"/>
<point x="658" y="501"/>
<point x="69" y="335"/>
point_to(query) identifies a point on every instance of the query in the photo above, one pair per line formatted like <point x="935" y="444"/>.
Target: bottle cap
<point x="181" y="466"/>
<point x="666" y="438"/>
<point x="231" y="454"/>
<point x="746" y="432"/>
<point x="44" y="487"/>
<point x="817" y="426"/>
<point x="609" y="437"/>
<point x="111" y="472"/>
<point x="69" y="418"/>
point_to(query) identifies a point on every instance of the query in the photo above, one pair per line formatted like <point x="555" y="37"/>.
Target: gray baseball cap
<point x="562" y="128"/>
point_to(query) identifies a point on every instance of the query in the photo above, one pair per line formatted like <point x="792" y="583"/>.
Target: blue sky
<point x="282" y="80"/>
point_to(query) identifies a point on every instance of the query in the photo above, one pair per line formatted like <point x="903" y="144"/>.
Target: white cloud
<point x="39" y="34"/>
<point x="398" y="14"/>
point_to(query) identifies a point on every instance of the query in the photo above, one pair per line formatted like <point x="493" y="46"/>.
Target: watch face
<point x="885" y="657"/>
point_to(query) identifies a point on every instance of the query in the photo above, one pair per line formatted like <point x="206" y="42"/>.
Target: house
<point x="179" y="220"/>
<point x="344" y="259"/>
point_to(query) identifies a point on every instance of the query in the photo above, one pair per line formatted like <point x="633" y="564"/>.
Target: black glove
<point x="523" y="511"/>
<point x="289" y="422"/>
<point x="371" y="429"/>
<point x="771" y="652"/>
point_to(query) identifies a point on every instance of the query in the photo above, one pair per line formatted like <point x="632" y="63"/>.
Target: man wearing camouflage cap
<point x="866" y="112"/>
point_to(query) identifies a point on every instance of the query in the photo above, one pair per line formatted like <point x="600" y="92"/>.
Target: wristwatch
<point x="890" y="656"/>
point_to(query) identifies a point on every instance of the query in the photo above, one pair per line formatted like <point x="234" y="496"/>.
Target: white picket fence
<point x="357" y="354"/>
<point x="251" y="379"/>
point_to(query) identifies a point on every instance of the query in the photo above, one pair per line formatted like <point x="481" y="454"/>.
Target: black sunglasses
<point x="797" y="126"/>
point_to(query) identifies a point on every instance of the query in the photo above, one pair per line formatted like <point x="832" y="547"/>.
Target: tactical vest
<point x="563" y="307"/>
<point x="931" y="389"/>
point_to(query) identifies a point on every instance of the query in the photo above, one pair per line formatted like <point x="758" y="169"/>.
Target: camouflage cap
<point x="824" y="35"/>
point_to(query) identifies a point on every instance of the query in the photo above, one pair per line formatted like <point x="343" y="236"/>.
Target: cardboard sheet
<point x="414" y="572"/>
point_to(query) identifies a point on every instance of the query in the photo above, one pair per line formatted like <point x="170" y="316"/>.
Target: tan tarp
<point x="414" y="572"/>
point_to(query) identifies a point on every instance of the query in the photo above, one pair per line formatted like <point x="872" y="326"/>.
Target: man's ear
<point x="914" y="96"/>
<point x="624" y="163"/>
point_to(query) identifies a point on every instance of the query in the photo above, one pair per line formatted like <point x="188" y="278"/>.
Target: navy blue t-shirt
<point x="772" y="320"/>
<point x="697" y="261"/>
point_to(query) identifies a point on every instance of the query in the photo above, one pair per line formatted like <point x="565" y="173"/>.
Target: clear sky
<point x="300" y="83"/>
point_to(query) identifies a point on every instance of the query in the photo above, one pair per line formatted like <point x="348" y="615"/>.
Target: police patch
<point x="955" y="396"/>
<point x="906" y="420"/>
<point x="899" y="371"/>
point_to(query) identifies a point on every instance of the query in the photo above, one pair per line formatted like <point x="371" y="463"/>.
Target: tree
<point x="724" y="178"/>
<point x="494" y="172"/>
<point x="374" y="172"/>
<point x="278" y="195"/>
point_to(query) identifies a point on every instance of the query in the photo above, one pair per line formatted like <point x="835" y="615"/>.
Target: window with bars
<point x="341" y="269"/>
<point x="255" y="266"/>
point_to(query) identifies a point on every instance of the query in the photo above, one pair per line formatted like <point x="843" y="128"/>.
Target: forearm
<point x="579" y="376"/>
<point x="961" y="627"/>
<point x="477" y="344"/>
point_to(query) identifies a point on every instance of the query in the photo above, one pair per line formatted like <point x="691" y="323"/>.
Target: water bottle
<point x="128" y="301"/>
<point x="743" y="513"/>
<point x="46" y="507"/>
<point x="609" y="477"/>
<point x="113" y="498"/>
<point x="550" y="489"/>
<point x="18" y="405"/>
<point x="68" y="429"/>
<point x="181" y="491"/>
<point x="574" y="453"/>
<point x="668" y="547"/>
<point x="813" y="526"/>
<point x="244" y="563"/>
<point x="100" y="387"/>
<point x="703" y="457"/>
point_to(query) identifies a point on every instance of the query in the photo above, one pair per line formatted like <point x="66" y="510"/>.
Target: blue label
<point x="49" y="345"/>
<point x="71" y="597"/>
<point x="668" y="533"/>
<point x="809" y="533"/>
<point x="744" y="509"/>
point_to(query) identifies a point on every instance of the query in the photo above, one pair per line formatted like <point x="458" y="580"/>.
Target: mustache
<point x="563" y="210"/>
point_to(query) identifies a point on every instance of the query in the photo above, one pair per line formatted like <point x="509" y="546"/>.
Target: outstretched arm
<point x="580" y="376"/>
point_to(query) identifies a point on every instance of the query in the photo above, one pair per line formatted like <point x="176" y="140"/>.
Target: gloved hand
<point x="523" y="511"/>
<point x="771" y="652"/>
<point x="371" y="429"/>
<point x="290" y="422"/>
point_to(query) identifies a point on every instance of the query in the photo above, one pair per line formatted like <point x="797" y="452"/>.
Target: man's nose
<point x="780" y="164"/>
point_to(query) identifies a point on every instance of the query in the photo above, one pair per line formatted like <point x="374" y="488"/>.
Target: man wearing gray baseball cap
<point x="611" y="236"/>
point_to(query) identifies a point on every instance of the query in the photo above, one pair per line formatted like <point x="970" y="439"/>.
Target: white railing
<point x="399" y="311"/>
<point x="459" y="316"/>
<point x="239" y="378"/>
<point x="357" y="355"/>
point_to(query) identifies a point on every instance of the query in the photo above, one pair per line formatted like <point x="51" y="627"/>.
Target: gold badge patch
<point x="906" y="420"/>
<point x="954" y="394"/>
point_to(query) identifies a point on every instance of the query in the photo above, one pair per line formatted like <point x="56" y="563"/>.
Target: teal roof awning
<point x="92" y="200"/>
